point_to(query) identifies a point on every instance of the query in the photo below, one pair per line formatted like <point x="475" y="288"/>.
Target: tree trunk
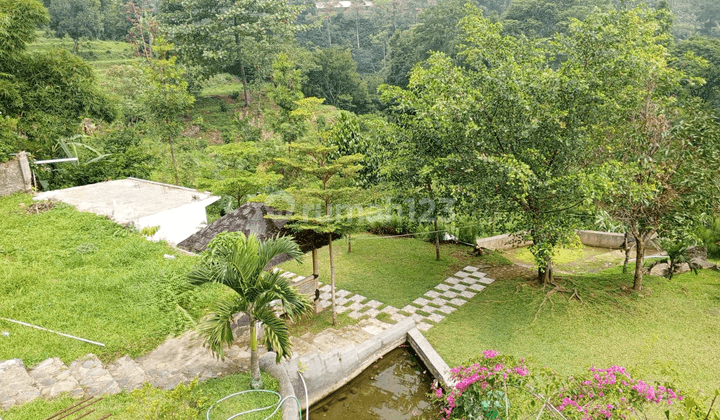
<point x="349" y="243"/>
<point x="244" y="82"/>
<point x="76" y="46"/>
<point x="626" y="248"/>
<point x="328" y="32"/>
<point x="316" y="274"/>
<point x="174" y="162"/>
<point x="332" y="281"/>
<point x="255" y="378"/>
<point x="357" y="29"/>
<point x="546" y="274"/>
<point x="316" y="269"/>
<point x="437" y="240"/>
<point x="639" y="262"/>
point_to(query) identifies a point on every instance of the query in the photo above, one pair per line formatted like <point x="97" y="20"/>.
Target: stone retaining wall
<point x="592" y="238"/>
<point x="15" y="175"/>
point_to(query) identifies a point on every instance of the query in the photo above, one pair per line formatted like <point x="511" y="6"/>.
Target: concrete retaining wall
<point x="15" y="175"/>
<point x="324" y="373"/>
<point x="506" y="241"/>
<point x="612" y="240"/>
<point x="306" y="286"/>
<point x="430" y="357"/>
<point x="601" y="239"/>
<point x="592" y="238"/>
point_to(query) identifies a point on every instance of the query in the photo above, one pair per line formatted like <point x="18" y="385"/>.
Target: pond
<point x="395" y="387"/>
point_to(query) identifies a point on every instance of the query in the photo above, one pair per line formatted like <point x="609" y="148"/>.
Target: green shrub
<point x="709" y="234"/>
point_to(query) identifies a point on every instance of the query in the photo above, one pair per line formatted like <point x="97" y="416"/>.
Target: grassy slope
<point x="86" y="276"/>
<point x="394" y="271"/>
<point x="670" y="326"/>
<point x="100" y="54"/>
<point x="129" y="406"/>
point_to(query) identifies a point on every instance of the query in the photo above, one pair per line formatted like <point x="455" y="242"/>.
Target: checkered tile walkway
<point x="427" y="310"/>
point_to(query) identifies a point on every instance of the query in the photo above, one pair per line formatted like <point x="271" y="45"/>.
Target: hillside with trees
<point x="444" y="120"/>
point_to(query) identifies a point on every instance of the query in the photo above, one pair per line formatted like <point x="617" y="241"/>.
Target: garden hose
<point x="277" y="404"/>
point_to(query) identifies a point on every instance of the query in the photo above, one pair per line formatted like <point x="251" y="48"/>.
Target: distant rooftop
<point x="340" y="4"/>
<point x="126" y="200"/>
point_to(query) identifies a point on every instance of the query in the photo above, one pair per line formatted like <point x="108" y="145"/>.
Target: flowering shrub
<point x="502" y="387"/>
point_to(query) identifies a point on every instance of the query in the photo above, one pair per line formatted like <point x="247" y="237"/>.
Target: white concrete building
<point x="178" y="212"/>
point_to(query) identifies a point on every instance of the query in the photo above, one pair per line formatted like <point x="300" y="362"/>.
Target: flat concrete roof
<point x="127" y="200"/>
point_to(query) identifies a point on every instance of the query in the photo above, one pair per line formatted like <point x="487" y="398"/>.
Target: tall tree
<point x="507" y="130"/>
<point x="238" y="262"/>
<point x="42" y="96"/>
<point x="335" y="78"/>
<point x="543" y="18"/>
<point x="216" y="36"/>
<point x="315" y="160"/>
<point x="437" y="30"/>
<point x="238" y="172"/>
<point x="525" y="122"/>
<point x="709" y="50"/>
<point x="661" y="160"/>
<point x="285" y="90"/>
<point x="115" y="24"/>
<point x="76" y="19"/>
<point x="326" y="189"/>
<point x="167" y="98"/>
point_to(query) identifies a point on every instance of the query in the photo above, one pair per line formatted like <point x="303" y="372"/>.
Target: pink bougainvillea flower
<point x="489" y="354"/>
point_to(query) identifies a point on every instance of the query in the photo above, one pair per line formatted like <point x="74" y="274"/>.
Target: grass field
<point x="100" y="54"/>
<point x="84" y="275"/>
<point x="671" y="328"/>
<point x="394" y="271"/>
<point x="139" y="404"/>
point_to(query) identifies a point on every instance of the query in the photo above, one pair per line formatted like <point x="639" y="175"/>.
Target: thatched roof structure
<point x="250" y="219"/>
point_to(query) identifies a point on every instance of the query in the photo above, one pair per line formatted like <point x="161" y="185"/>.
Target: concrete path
<point x="426" y="310"/>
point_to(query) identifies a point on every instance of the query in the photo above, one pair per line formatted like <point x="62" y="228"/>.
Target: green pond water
<point x="395" y="387"/>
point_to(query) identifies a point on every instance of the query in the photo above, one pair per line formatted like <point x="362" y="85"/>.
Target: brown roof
<point x="250" y="219"/>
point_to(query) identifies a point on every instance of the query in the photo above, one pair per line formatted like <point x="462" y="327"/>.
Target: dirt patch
<point x="41" y="206"/>
<point x="213" y="137"/>
<point x="509" y="272"/>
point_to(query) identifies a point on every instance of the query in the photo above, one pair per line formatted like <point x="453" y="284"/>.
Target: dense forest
<point x="466" y="117"/>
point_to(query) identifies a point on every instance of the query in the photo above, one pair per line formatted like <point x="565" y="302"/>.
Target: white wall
<point x="179" y="223"/>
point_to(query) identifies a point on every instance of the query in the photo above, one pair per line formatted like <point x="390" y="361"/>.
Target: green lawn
<point x="670" y="328"/>
<point x="394" y="271"/>
<point x="83" y="275"/>
<point x="137" y="404"/>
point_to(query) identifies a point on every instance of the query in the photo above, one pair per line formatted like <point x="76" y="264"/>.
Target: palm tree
<point x="238" y="262"/>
